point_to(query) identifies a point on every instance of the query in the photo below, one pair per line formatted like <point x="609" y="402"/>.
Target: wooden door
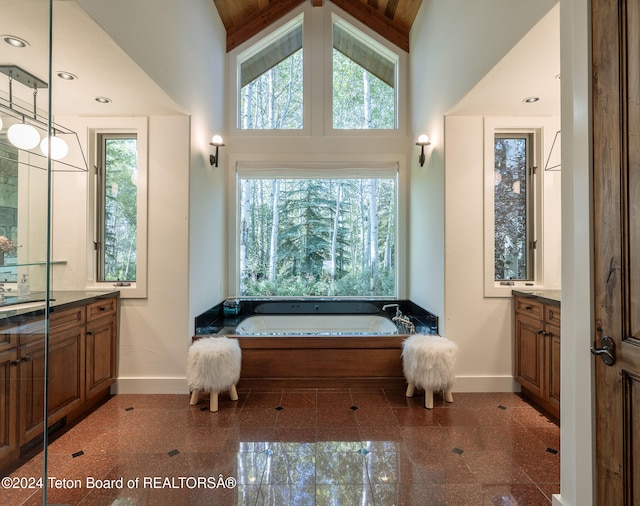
<point x="616" y="220"/>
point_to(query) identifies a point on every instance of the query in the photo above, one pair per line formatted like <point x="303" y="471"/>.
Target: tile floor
<point x="302" y="447"/>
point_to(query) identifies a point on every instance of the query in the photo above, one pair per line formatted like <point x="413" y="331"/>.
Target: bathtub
<point x="316" y="325"/>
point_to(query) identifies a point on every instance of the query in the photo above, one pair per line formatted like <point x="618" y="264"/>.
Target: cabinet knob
<point x="26" y="358"/>
<point x="15" y="362"/>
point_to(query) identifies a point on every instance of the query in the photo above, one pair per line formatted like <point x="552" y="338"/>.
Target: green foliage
<point x="120" y="197"/>
<point x="360" y="100"/>
<point x="306" y="215"/>
<point x="274" y="100"/>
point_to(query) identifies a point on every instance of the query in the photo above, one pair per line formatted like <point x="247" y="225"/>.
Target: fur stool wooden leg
<point x="213" y="365"/>
<point x="428" y="362"/>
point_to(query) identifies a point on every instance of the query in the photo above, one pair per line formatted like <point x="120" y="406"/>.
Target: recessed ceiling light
<point x="103" y="100"/>
<point x="67" y="76"/>
<point x="530" y="100"/>
<point x="14" y="41"/>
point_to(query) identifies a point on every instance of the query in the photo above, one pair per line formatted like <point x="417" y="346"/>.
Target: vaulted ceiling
<point x="390" y="18"/>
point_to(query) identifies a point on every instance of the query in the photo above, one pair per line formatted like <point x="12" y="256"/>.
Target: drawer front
<point x="70" y="317"/>
<point x="552" y="315"/>
<point x="102" y="307"/>
<point x="529" y="307"/>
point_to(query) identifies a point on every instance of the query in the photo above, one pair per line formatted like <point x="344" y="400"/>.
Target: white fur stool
<point x="213" y="365"/>
<point x="428" y="363"/>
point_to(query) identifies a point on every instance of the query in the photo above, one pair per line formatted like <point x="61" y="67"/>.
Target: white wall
<point x="483" y="326"/>
<point x="445" y="64"/>
<point x="183" y="51"/>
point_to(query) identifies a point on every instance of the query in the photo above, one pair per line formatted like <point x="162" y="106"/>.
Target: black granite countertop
<point x="545" y="296"/>
<point x="214" y="320"/>
<point x="35" y="306"/>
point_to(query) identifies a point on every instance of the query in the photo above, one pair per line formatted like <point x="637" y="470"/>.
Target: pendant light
<point x="59" y="148"/>
<point x="23" y="136"/>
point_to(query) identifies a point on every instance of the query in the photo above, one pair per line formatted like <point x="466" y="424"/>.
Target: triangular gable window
<point x="271" y="77"/>
<point x="364" y="80"/>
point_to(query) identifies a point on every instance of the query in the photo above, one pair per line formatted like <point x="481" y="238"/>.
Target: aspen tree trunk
<point x="334" y="240"/>
<point x="275" y="221"/>
<point x="373" y="232"/>
<point x="244" y="234"/>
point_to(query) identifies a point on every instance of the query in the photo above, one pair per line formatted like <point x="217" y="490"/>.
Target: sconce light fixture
<point x="423" y="141"/>
<point x="216" y="141"/>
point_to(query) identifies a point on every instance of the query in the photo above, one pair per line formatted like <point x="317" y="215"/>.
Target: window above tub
<point x="305" y="232"/>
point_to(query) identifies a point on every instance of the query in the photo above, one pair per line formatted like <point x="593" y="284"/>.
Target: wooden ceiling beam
<point x="377" y="21"/>
<point x="258" y="21"/>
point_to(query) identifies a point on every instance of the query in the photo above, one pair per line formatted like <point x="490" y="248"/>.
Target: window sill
<point x="133" y="291"/>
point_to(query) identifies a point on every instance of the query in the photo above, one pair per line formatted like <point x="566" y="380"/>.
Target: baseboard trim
<point x="150" y="386"/>
<point x="179" y="385"/>
<point x="485" y="384"/>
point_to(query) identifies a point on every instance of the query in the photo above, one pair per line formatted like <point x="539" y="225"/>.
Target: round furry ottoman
<point x="428" y="363"/>
<point x="213" y="365"/>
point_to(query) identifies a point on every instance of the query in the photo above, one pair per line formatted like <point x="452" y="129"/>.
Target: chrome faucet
<point x="402" y="322"/>
<point x="397" y="306"/>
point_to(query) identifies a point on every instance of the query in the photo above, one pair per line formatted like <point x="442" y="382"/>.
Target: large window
<point x="117" y="207"/>
<point x="364" y="81"/>
<point x="271" y="82"/>
<point x="318" y="236"/>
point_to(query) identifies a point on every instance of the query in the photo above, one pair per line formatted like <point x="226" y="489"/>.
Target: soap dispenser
<point x="23" y="288"/>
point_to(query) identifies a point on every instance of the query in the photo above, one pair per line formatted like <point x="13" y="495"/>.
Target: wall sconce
<point x="423" y="141"/>
<point x="216" y="141"/>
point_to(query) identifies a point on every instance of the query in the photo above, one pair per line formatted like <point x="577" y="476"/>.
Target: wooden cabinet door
<point x="8" y="403"/>
<point x="552" y="334"/>
<point x="529" y="354"/>
<point x="66" y="384"/>
<point x="101" y="354"/>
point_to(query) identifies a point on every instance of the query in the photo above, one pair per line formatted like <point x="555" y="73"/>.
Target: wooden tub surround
<point x="321" y="361"/>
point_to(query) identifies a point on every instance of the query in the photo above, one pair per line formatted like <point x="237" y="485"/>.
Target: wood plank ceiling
<point x="390" y="18"/>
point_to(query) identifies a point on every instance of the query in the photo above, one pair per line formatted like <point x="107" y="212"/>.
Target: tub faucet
<point x="405" y="324"/>
<point x="397" y="306"/>
<point x="2" y="292"/>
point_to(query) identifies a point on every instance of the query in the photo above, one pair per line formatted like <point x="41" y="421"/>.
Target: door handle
<point x="606" y="351"/>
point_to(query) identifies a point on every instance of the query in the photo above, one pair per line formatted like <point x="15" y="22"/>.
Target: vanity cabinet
<point x="537" y="350"/>
<point x="83" y="345"/>
<point x="8" y="404"/>
<point x="66" y="371"/>
<point x="101" y="343"/>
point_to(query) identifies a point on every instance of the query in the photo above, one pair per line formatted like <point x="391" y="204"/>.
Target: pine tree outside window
<point x="317" y="237"/>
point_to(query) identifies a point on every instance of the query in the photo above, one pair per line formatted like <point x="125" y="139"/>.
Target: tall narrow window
<point x="513" y="208"/>
<point x="271" y="79"/>
<point x="302" y="236"/>
<point x="364" y="81"/>
<point x="117" y="207"/>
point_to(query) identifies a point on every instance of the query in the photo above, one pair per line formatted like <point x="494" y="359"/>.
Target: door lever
<point x="607" y="350"/>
